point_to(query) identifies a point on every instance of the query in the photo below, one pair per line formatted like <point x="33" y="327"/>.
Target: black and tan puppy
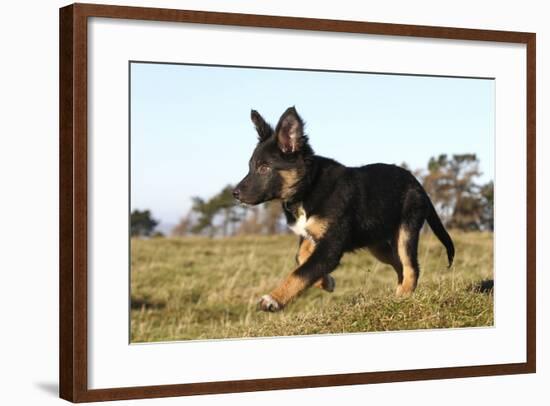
<point x="335" y="209"/>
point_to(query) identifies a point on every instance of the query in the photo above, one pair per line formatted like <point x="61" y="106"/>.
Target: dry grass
<point x="198" y="288"/>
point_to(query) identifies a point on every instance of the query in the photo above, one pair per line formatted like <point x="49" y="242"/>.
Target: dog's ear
<point x="290" y="131"/>
<point x="264" y="130"/>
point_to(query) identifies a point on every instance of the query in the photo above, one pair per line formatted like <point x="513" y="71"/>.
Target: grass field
<point x="199" y="288"/>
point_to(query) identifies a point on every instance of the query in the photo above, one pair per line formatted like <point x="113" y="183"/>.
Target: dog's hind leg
<point x="414" y="214"/>
<point x="305" y="250"/>
<point x="387" y="253"/>
<point x="407" y="247"/>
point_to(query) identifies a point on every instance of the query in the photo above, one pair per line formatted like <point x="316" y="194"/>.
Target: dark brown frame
<point x="73" y="361"/>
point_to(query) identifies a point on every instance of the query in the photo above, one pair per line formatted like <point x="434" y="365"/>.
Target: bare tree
<point x="184" y="226"/>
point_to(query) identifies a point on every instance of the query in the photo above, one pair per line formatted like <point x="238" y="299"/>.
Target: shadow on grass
<point x="144" y="304"/>
<point x="484" y="286"/>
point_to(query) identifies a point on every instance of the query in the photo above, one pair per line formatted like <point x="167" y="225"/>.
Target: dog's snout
<point x="236" y="193"/>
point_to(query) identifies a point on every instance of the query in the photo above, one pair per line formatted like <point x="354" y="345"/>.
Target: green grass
<point x="199" y="288"/>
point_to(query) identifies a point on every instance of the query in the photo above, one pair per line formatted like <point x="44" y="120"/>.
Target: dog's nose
<point x="236" y="193"/>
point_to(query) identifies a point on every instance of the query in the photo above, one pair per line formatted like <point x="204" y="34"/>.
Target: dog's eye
<point x="263" y="169"/>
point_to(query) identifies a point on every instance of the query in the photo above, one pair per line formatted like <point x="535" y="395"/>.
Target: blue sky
<point x="191" y="132"/>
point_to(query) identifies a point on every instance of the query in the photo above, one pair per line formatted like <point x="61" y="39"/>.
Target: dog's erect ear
<point x="264" y="130"/>
<point x="290" y="131"/>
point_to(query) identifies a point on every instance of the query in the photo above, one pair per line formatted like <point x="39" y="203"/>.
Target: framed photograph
<point x="254" y="202"/>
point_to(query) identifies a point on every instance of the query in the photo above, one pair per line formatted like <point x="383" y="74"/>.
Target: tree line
<point x="451" y="182"/>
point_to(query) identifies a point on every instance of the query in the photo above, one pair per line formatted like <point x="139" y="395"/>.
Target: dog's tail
<point x="439" y="230"/>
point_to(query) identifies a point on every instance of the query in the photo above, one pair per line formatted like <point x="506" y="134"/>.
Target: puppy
<point x="336" y="209"/>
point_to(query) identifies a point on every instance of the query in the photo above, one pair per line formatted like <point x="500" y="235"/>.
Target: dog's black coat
<point x="359" y="207"/>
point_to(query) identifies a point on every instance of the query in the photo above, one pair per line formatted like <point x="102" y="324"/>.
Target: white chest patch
<point x="300" y="226"/>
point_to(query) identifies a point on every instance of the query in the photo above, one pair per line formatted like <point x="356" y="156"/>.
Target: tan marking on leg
<point x="409" y="274"/>
<point x="291" y="287"/>
<point x="291" y="177"/>
<point x="306" y="249"/>
<point x="316" y="227"/>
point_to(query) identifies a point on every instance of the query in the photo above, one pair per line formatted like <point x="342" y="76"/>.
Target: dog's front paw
<point x="328" y="283"/>
<point x="268" y="304"/>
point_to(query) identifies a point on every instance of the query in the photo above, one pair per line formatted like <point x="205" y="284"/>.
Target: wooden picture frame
<point x="73" y="280"/>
